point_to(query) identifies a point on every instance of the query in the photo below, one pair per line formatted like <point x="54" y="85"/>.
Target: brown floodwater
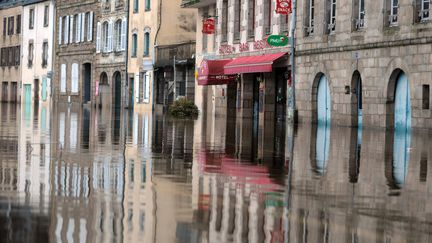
<point x="72" y="174"/>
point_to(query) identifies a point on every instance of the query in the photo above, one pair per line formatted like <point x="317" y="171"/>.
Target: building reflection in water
<point x="90" y="175"/>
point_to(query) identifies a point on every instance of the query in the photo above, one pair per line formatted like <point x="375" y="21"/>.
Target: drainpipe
<point x="126" y="54"/>
<point x="292" y="105"/>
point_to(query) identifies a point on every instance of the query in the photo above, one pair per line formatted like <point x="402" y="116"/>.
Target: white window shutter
<point x="98" y="38"/>
<point x="123" y="35"/>
<point x="71" y="27"/>
<point x="137" y="83"/>
<point x="77" y="28"/>
<point x="74" y="77"/>
<point x="60" y="33"/>
<point x="147" y="87"/>
<point x="82" y="26"/>
<point x="110" y="35"/>
<point x="63" y="78"/>
<point x="90" y="28"/>
<point x="66" y="31"/>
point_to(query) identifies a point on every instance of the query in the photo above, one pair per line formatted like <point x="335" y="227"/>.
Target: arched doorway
<point x="87" y="82"/>
<point x="117" y="90"/>
<point x="104" y="100"/>
<point x="398" y="101"/>
<point x="357" y="100"/>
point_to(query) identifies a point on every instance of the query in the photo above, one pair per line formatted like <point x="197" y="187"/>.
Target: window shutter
<point x="123" y="35"/>
<point x="137" y="82"/>
<point x="63" y="78"/>
<point x="90" y="28"/>
<point x="66" y="31"/>
<point x="82" y="26"/>
<point x="71" y="27"/>
<point x="77" y="29"/>
<point x="98" y="38"/>
<point x="60" y="32"/>
<point x="74" y="77"/>
<point x="147" y="87"/>
<point x="110" y="35"/>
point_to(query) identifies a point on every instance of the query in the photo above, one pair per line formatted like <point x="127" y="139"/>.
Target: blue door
<point x="27" y="92"/>
<point x="359" y="103"/>
<point x="322" y="146"/>
<point x="324" y="103"/>
<point x="44" y="89"/>
<point x="402" y="104"/>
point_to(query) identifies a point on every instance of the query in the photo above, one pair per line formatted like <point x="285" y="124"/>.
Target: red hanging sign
<point x="283" y="7"/>
<point x="208" y="26"/>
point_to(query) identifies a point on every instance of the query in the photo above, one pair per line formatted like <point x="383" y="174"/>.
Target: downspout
<point x="127" y="54"/>
<point x="159" y="19"/>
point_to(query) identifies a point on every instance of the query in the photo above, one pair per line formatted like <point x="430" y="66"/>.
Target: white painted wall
<point x="38" y="34"/>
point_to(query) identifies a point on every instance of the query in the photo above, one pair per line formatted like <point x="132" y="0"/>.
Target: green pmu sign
<point x="278" y="40"/>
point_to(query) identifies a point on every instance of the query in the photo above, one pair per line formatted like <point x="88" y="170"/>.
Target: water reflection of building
<point x="87" y="179"/>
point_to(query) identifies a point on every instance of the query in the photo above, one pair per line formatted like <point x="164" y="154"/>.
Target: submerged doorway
<point x="117" y="90"/>
<point x="87" y="82"/>
<point x="323" y="101"/>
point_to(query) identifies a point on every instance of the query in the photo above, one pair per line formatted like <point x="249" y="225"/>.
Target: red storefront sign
<point x="208" y="26"/>
<point x="283" y="7"/>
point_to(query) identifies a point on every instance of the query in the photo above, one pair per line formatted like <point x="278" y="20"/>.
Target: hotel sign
<point x="283" y="7"/>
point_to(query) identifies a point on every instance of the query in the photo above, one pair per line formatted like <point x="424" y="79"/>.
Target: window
<point x="31" y="19"/>
<point x="224" y="21"/>
<point x="237" y="19"/>
<point x="310" y="17"/>
<point x="135" y="6"/>
<point x="118" y="35"/>
<point x="44" y="54"/>
<point x="394" y="7"/>
<point x="89" y="26"/>
<point x="4" y="26"/>
<point x="63" y="78"/>
<point x="46" y="16"/>
<point x="358" y="14"/>
<point x="105" y="37"/>
<point x="17" y="55"/>
<point x="30" y="54"/>
<point x="331" y="13"/>
<point x="422" y="8"/>
<point x="11" y="25"/>
<point x="18" y="24"/>
<point x="426" y="96"/>
<point x="74" y="78"/>
<point x="267" y="16"/>
<point x="283" y="24"/>
<point x="146" y="87"/>
<point x="65" y="30"/>
<point x="147" y="5"/>
<point x="205" y="36"/>
<point x="134" y="45"/>
<point x="251" y="18"/>
<point x="146" y="44"/>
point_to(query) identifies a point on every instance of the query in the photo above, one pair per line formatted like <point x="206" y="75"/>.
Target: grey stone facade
<point x="378" y="51"/>
<point x="69" y="52"/>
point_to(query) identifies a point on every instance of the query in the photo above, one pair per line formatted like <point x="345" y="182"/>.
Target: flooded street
<point x="79" y="175"/>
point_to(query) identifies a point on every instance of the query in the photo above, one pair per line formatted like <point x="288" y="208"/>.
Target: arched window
<point x="105" y="37"/>
<point x="146" y="43"/>
<point x="134" y="45"/>
<point x="118" y="35"/>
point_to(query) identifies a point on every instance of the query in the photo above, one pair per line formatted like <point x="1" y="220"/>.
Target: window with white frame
<point x="358" y="14"/>
<point x="394" y="9"/>
<point x="424" y="10"/>
<point x="105" y="36"/>
<point x="118" y="35"/>
<point x="74" y="78"/>
<point x="147" y="87"/>
<point x="310" y="17"/>
<point x="331" y="26"/>
<point x="63" y="78"/>
<point x="89" y="21"/>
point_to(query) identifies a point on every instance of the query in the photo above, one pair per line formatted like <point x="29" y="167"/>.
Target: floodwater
<point x="77" y="175"/>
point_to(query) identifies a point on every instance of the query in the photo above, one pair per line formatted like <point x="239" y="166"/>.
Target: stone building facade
<point x="10" y="47"/>
<point x="111" y="54"/>
<point x="75" y="45"/>
<point x="37" y="51"/>
<point x="363" y="51"/>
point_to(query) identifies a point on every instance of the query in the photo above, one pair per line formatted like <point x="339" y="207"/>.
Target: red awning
<point x="253" y="64"/>
<point x="211" y="72"/>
